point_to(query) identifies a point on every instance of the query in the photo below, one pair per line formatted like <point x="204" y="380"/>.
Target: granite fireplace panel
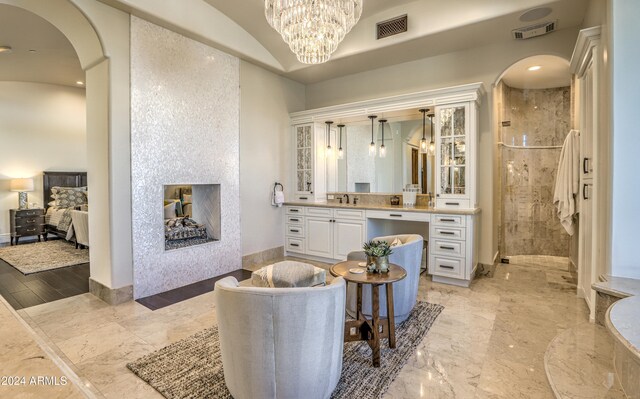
<point x="185" y="100"/>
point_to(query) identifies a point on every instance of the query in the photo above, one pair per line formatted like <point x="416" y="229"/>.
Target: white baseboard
<point x="6" y="237"/>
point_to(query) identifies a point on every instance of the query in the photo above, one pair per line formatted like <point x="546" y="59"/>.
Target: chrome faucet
<point x="347" y="196"/>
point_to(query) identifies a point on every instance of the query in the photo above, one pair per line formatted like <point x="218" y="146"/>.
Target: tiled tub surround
<point x="184" y="128"/>
<point x="623" y="322"/>
<point x="611" y="289"/>
<point x="528" y="225"/>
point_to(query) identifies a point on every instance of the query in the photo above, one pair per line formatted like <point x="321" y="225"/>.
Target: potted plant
<point x="377" y="256"/>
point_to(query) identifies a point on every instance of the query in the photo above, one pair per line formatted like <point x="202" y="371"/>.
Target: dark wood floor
<point x="24" y="291"/>
<point x="167" y="298"/>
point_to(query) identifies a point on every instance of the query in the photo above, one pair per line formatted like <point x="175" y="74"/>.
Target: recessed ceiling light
<point x="79" y="83"/>
<point x="534" y="68"/>
<point x="32" y="50"/>
<point x="5" y="49"/>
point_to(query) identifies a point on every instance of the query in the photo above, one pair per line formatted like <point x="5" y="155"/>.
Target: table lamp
<point x="22" y="186"/>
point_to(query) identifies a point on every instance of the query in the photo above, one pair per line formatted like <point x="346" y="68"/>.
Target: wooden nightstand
<point x="26" y="222"/>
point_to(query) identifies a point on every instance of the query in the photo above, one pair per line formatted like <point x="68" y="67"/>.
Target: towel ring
<point x="275" y="187"/>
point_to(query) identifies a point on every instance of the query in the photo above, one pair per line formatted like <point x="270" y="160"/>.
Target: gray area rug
<point x="42" y="256"/>
<point x="192" y="367"/>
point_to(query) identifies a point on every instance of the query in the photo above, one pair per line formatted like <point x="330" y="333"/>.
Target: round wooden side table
<point x="374" y="329"/>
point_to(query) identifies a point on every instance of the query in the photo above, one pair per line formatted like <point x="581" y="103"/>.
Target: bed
<point x="64" y="218"/>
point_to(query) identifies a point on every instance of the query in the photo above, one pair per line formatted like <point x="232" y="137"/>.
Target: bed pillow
<point x="186" y="198"/>
<point x="70" y="198"/>
<point x="56" y="189"/>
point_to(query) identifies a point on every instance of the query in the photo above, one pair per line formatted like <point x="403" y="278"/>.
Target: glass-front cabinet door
<point x="304" y="158"/>
<point x="452" y="160"/>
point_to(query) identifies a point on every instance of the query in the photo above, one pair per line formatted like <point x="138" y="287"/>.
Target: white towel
<point x="568" y="181"/>
<point x="278" y="198"/>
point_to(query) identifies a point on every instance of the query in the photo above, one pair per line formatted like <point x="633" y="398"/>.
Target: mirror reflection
<point x="406" y="159"/>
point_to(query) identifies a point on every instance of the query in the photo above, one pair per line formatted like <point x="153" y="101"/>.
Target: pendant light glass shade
<point x="329" y="151"/>
<point x="313" y="28"/>
<point x="424" y="145"/>
<point x="372" y="146"/>
<point x="340" y="151"/>
<point x="432" y="144"/>
<point x="383" y="149"/>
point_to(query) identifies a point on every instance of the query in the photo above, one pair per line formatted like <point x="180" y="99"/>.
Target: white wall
<point x="266" y="100"/>
<point x="42" y="127"/>
<point x="482" y="64"/>
<point x="625" y="61"/>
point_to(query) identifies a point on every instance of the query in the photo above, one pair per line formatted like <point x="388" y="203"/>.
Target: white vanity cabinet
<point x="456" y="146"/>
<point x="310" y="179"/>
<point x="328" y="233"/>
<point x="453" y="250"/>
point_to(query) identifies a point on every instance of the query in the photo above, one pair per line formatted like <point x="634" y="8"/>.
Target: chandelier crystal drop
<point x="313" y="28"/>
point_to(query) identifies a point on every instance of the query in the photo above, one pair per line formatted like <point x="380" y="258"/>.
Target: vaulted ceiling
<point x="240" y="28"/>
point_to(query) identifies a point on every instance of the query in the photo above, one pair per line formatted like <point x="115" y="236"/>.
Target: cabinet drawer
<point x="29" y="230"/>
<point x="447" y="267"/>
<point x="293" y="219"/>
<point x="453" y="203"/>
<point x="295" y="210"/>
<point x="29" y="221"/>
<point x="295" y="230"/>
<point x="29" y="212"/>
<point x="399" y="215"/>
<point x="313" y="211"/>
<point x="449" y="220"/>
<point x="448" y="248"/>
<point x="295" y="244"/>
<point x="339" y="213"/>
<point x="303" y="197"/>
<point x="448" y="233"/>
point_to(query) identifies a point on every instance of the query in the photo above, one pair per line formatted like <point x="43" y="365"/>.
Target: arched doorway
<point x="107" y="105"/>
<point x="533" y="106"/>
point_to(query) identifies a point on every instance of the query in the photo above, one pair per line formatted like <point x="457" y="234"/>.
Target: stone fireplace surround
<point x="185" y="102"/>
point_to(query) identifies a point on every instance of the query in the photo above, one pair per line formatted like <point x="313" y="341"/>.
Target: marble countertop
<point x="623" y="321"/>
<point x="380" y="207"/>
<point x="620" y="287"/>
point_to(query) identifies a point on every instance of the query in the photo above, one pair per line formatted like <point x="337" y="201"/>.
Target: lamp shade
<point x="21" y="185"/>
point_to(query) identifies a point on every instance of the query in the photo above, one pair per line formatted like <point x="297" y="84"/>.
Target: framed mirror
<point x="361" y="171"/>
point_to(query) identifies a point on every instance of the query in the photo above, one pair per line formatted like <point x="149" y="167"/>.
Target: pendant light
<point x="329" y="151"/>
<point x="383" y="149"/>
<point x="424" y="145"/>
<point x="340" y="152"/>
<point x="372" y="146"/>
<point x="432" y="144"/>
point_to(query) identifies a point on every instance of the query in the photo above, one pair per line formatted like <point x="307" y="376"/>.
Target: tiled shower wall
<point x="528" y="224"/>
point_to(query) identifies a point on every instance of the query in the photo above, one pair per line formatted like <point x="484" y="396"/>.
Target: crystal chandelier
<point x="313" y="28"/>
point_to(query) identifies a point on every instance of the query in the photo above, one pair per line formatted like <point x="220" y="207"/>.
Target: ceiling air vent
<point x="391" y="27"/>
<point x="534" y="30"/>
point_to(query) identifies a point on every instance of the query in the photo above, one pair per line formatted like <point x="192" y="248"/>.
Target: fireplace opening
<point x="191" y="215"/>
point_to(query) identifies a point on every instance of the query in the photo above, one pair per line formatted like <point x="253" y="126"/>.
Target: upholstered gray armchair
<point x="405" y="292"/>
<point x="281" y="342"/>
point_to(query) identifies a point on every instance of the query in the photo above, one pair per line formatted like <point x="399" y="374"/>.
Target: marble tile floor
<point x="489" y="342"/>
